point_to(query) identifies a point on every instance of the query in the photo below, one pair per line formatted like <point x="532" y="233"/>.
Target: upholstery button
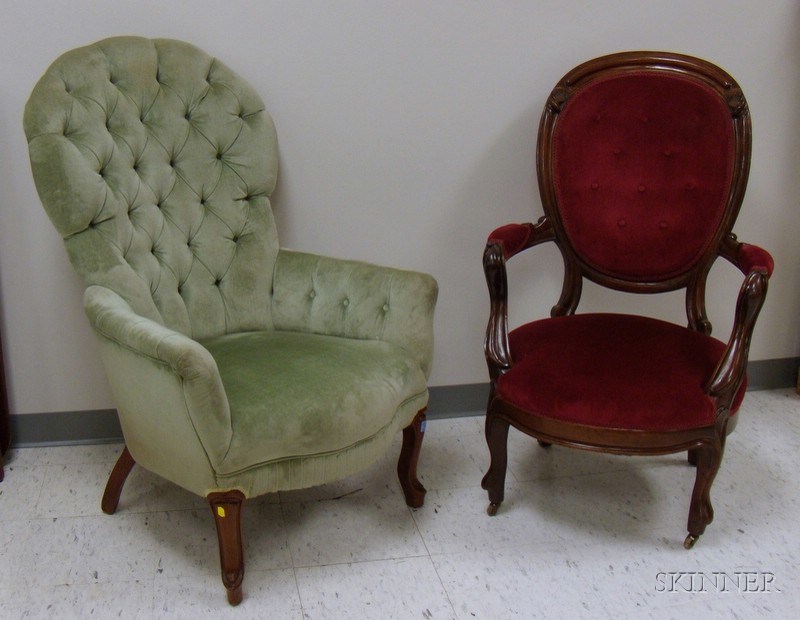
<point x="689" y="187"/>
<point x="667" y="153"/>
<point x="346" y="302"/>
<point x="641" y="188"/>
<point x="218" y="281"/>
<point x="595" y="185"/>
<point x="597" y="117"/>
<point x="386" y="307"/>
<point x="663" y="225"/>
<point x="617" y="151"/>
<point x="622" y="223"/>
<point x="312" y="294"/>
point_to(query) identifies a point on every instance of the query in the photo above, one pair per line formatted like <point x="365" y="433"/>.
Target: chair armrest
<point x="757" y="265"/>
<point x="502" y="244"/>
<point x="353" y="299"/>
<point x="514" y="238"/>
<point x="193" y="378"/>
<point x="747" y="257"/>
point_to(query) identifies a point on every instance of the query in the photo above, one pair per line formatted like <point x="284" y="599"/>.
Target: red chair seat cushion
<point x="613" y="371"/>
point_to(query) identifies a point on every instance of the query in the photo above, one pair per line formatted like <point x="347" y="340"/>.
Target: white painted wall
<point x="407" y="133"/>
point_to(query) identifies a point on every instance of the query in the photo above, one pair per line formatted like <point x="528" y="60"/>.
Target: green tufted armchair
<point x="238" y="368"/>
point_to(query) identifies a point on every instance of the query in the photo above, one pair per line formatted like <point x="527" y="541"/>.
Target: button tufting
<point x="663" y="225"/>
<point x="312" y="294"/>
<point x="346" y="302"/>
<point x="617" y="151"/>
<point x="595" y="185"/>
<point x="386" y="307"/>
<point x="641" y="188"/>
<point x="689" y="186"/>
<point x="622" y="223"/>
<point x="667" y="153"/>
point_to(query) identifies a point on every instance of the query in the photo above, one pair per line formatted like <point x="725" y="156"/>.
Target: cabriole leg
<point x="495" y="479"/>
<point x="116" y="481"/>
<point x="407" y="464"/>
<point x="227" y="510"/>
<point x="707" y="460"/>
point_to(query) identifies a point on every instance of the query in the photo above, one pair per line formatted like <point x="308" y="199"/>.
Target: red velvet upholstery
<point x="642" y="166"/>
<point x="613" y="371"/>
<point x="751" y="257"/>
<point x="512" y="238"/>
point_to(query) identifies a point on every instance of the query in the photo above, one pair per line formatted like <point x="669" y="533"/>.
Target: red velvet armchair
<point x="642" y="163"/>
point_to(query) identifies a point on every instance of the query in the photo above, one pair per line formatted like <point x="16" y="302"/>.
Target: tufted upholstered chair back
<point x="643" y="165"/>
<point x="156" y="162"/>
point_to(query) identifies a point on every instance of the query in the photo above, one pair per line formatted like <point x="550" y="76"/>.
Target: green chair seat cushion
<point x="296" y="394"/>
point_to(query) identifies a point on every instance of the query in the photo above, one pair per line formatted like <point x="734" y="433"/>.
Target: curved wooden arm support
<point x="731" y="369"/>
<point x="495" y="345"/>
<point x="503" y="243"/>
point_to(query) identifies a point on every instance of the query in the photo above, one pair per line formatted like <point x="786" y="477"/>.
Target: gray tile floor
<point x="579" y="535"/>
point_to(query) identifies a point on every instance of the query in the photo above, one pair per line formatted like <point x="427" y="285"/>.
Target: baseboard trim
<point x="446" y="401"/>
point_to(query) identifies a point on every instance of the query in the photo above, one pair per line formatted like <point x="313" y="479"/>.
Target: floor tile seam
<point x="395" y="558"/>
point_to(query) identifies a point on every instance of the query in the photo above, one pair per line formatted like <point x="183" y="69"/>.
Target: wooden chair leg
<point x="495" y="479"/>
<point x="707" y="460"/>
<point x="116" y="481"/>
<point x="407" y="464"/>
<point x="692" y="457"/>
<point x="227" y="510"/>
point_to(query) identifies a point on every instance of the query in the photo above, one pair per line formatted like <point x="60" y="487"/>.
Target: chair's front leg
<point x="407" y="464"/>
<point x="227" y="509"/>
<point x="707" y="459"/>
<point x="495" y="479"/>
<point x="115" y="482"/>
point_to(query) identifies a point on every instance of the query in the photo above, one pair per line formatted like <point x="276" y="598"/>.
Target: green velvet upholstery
<point x="234" y="364"/>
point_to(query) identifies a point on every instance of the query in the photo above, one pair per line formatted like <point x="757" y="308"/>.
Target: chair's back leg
<point x="409" y="456"/>
<point x="227" y="510"/>
<point x="115" y="482"/>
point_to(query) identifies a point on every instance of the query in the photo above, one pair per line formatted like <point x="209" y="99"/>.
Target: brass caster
<point x="690" y="541"/>
<point x="492" y="509"/>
